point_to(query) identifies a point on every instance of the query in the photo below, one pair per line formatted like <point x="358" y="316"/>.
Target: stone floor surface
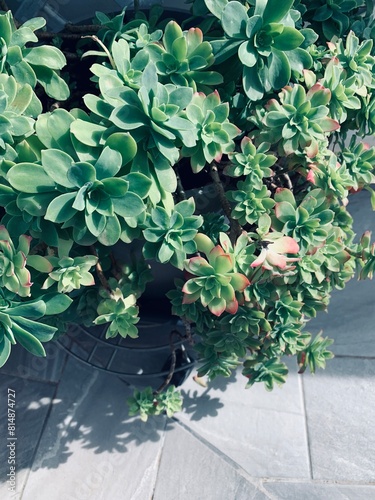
<point x="313" y="439"/>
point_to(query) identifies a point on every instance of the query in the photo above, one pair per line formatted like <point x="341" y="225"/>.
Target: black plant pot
<point x="146" y="360"/>
<point x="142" y="362"/>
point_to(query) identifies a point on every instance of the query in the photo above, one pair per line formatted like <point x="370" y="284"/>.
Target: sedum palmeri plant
<point x="227" y="145"/>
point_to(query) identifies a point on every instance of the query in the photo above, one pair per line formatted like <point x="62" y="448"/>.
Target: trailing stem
<point x="99" y="271"/>
<point x="235" y="227"/>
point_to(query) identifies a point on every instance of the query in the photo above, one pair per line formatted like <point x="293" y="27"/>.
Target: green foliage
<point x="170" y="237"/>
<point x="215" y="282"/>
<point x="222" y="149"/>
<point x="315" y="354"/>
<point x="147" y="403"/>
<point x="215" y="133"/>
<point x="31" y="65"/>
<point x="183" y="57"/>
<point x="120" y="312"/>
<point x="266" y="41"/>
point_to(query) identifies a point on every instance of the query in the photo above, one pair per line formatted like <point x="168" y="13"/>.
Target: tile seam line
<point x="159" y="460"/>
<point x="308" y="441"/>
<point x="31" y="379"/>
<point x="327" y="482"/>
<point x="349" y="356"/>
<point x="257" y="482"/>
<point x="43" y="429"/>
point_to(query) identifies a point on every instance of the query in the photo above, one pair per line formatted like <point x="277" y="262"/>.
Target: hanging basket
<point x="145" y="361"/>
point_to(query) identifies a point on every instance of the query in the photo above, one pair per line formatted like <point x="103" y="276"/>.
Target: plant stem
<point x="48" y="35"/>
<point x="99" y="271"/>
<point x="187" y="337"/>
<point x="173" y="363"/>
<point x="3" y="5"/>
<point x="82" y="29"/>
<point x="180" y="188"/>
<point x="235" y="227"/>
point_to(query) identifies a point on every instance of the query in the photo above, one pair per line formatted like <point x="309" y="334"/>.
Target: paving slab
<point x="351" y="313"/>
<point x="191" y="470"/>
<point x="32" y="404"/>
<point x="314" y="491"/>
<point x="25" y="365"/>
<point x="263" y="432"/>
<point x="90" y="448"/>
<point x="340" y="404"/>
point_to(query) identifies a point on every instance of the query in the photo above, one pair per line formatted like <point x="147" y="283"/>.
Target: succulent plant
<point x="120" y="312"/>
<point x="215" y="133"/>
<point x="214" y="283"/>
<point x="182" y="58"/>
<point x="299" y="120"/>
<point x="169" y="237"/>
<point x="267" y="42"/>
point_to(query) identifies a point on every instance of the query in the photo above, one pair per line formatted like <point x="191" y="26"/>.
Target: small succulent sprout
<point x="169" y="237"/>
<point x="356" y="58"/>
<point x="343" y="90"/>
<point x="252" y="161"/>
<point x="14" y="275"/>
<point x="147" y="402"/>
<point x="120" y="312"/>
<point x="359" y="161"/>
<point x="367" y="262"/>
<point x="214" y="280"/>
<point x="215" y="132"/>
<point x="182" y="58"/>
<point x="70" y="273"/>
<point x="273" y="253"/>
<point x="300" y="120"/>
<point x="250" y="202"/>
<point x="308" y="223"/>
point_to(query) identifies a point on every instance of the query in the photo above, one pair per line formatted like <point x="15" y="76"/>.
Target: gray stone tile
<point x="32" y="402"/>
<point x="190" y="470"/>
<point x="23" y="364"/>
<point x="314" y="491"/>
<point x="340" y="404"/>
<point x="351" y="313"/>
<point x="90" y="447"/>
<point x="263" y="432"/>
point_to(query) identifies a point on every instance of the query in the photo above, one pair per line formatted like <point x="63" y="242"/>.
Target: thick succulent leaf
<point x="45" y="55"/>
<point x="39" y="330"/>
<point x="30" y="178"/>
<point x="5" y="349"/>
<point x="87" y="132"/>
<point x="52" y="83"/>
<point x="56" y="164"/>
<point x="123" y="143"/>
<point x="131" y="205"/>
<point x="28" y="341"/>
<point x="204" y="243"/>
<point x="216" y="7"/>
<point x="61" y="208"/>
<point x="278" y="69"/>
<point x="234" y="20"/>
<point x="274" y="10"/>
<point x="39" y="263"/>
<point x="111" y="233"/>
<point x="289" y="39"/>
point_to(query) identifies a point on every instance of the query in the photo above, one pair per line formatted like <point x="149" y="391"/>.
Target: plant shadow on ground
<point x="85" y="409"/>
